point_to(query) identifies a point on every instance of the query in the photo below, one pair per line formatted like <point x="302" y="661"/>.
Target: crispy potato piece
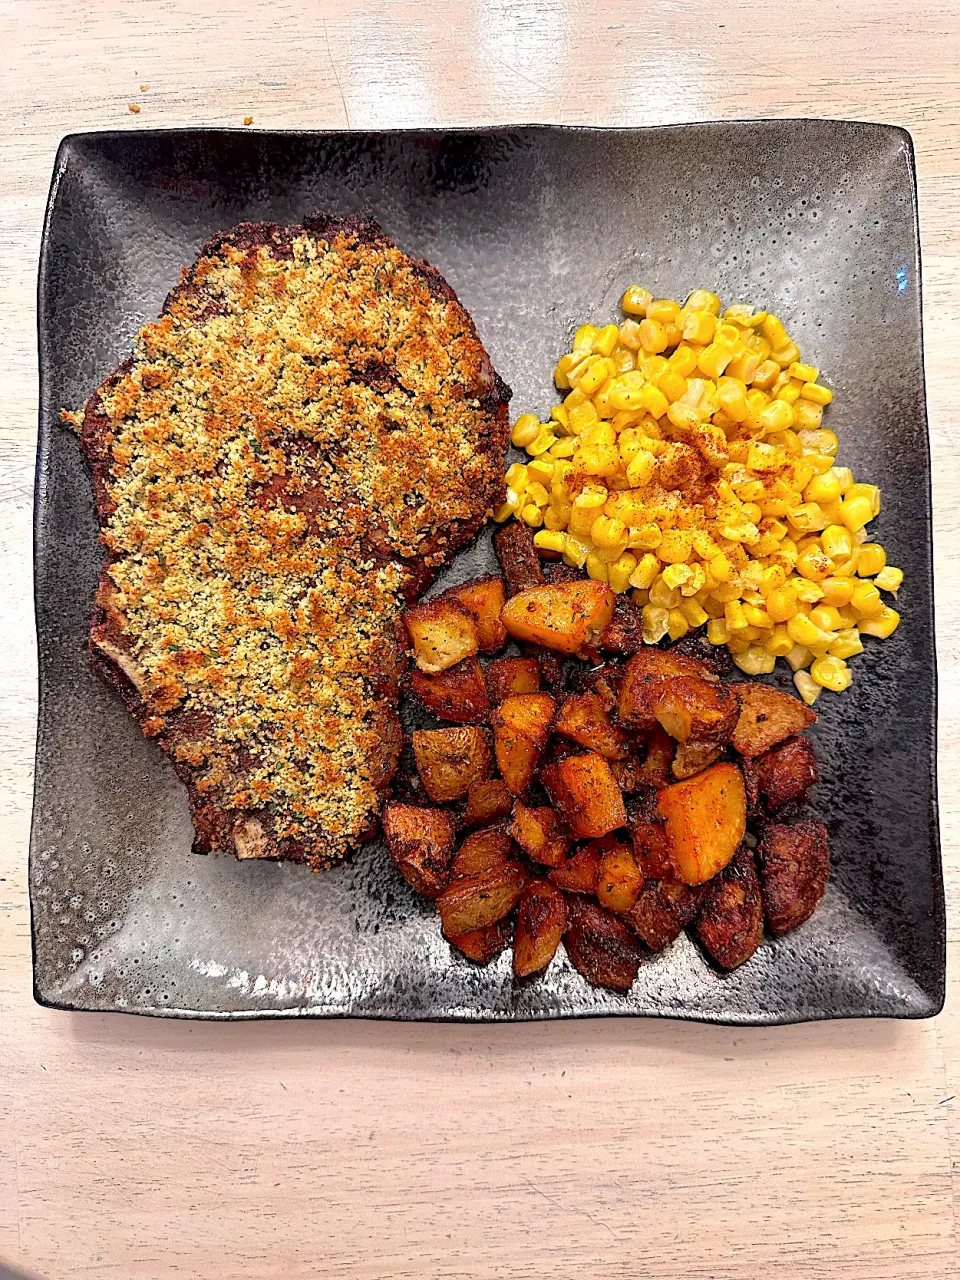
<point x="567" y="618"/>
<point x="537" y="832"/>
<point x="484" y="599"/>
<point x="604" y="681"/>
<point x="476" y="901"/>
<point x="585" y="793"/>
<point x="449" y="761"/>
<point x="560" y="572"/>
<point x="657" y="768"/>
<point x="767" y="716"/>
<point x="488" y="800"/>
<point x="628" y="774"/>
<point x="513" y="543"/>
<point x="620" y="880"/>
<point x="420" y="842"/>
<point x="600" y="946"/>
<point x="651" y="848"/>
<point x="782" y="775"/>
<point x="442" y="633"/>
<point x="730" y="923"/>
<point x="691" y="707"/>
<point x="512" y="675"/>
<point x="580" y="873"/>
<point x="541" y="920"/>
<point x="483" y="945"/>
<point x="583" y="718"/>
<point x="643" y="680"/>
<point x="663" y="910"/>
<point x="521" y="728"/>
<point x="551" y="667"/>
<point x="482" y="851"/>
<point x="794" y="868"/>
<point x="458" y="694"/>
<point x="705" y="819"/>
<point x="693" y="757"/>
<point x="624" y="632"/>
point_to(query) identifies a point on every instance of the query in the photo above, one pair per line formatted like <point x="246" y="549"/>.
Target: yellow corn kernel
<point x="780" y="381"/>
<point x="549" y="540"/>
<point x="782" y="604"/>
<point x="601" y="400"/>
<point x="837" y="542"/>
<point x="664" y="310"/>
<point x="722" y="568"/>
<point x="636" y="300"/>
<point x="776" y="416"/>
<point x="799" y="657"/>
<point x="882" y="625"/>
<point x="623" y="359"/>
<point x="804" y="632"/>
<point x="717" y="631"/>
<point x="664" y="596"/>
<point x="695" y="582"/>
<point x="780" y="642"/>
<point x="713" y="359"/>
<point x="640" y="598"/>
<point x="580" y="416"/>
<point x="844" y="478"/>
<point x="703" y="300"/>
<point x="596" y="568"/>
<point x="814" y="564"/>
<point x="606" y="339"/>
<point x="563" y="367"/>
<point x="677" y="625"/>
<point x="653" y="336"/>
<point x="806" y="415"/>
<point x="683" y="361"/>
<point x="542" y="442"/>
<point x="641" y="469"/>
<point x="847" y="644"/>
<point x="698" y="326"/>
<point x="653" y="400"/>
<point x="517" y="476"/>
<point x="675" y="575"/>
<point x="837" y="591"/>
<point x="645" y="574"/>
<point x="564" y="448"/>
<point x="807" y="687"/>
<point x="865" y="601"/>
<point x="682" y="416"/>
<point x="804" y="372"/>
<point x="738" y="643"/>
<point x="807" y="517"/>
<point x="889" y="579"/>
<point x="559" y="415"/>
<point x="816" y="394"/>
<point x="758" y="617"/>
<point x="728" y="335"/>
<point x="532" y="515"/>
<point x="831" y="673"/>
<point x="647" y="537"/>
<point x="598" y="433"/>
<point x="755" y="661"/>
<point x="607" y="532"/>
<point x="871" y="560"/>
<point x="583" y="338"/>
<point x="785" y="356"/>
<point x="618" y="573"/>
<point x="656" y="622"/>
<point x="536" y="493"/>
<point x="597" y="459"/>
<point x="672" y="385"/>
<point x="630" y="335"/>
<point x="676" y="546"/>
<point x="504" y="511"/>
<point x="525" y="429"/>
<point x="774" y="332"/>
<point x="595" y="376"/>
<point x="856" y="511"/>
<point x="823" y="488"/>
<point x="766" y="374"/>
<point x="826" y="617"/>
<point x="552" y="519"/>
<point x="744" y="366"/>
<point x="694" y="612"/>
<point x="734" y="616"/>
<point x="541" y="469"/>
<point x="732" y="398"/>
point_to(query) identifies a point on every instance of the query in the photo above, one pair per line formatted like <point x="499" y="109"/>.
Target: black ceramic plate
<point x="536" y="229"/>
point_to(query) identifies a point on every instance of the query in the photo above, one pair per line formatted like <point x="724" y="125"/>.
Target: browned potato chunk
<point x="476" y="901"/>
<point x="487" y="801"/>
<point x="794" y="867"/>
<point x="657" y="768"/>
<point x="551" y="667"/>
<point x="541" y="920"/>
<point x="705" y="817"/>
<point x="513" y="543"/>
<point x="420" y="842"/>
<point x="537" y="832"/>
<point x="693" y="757"/>
<point x="583" y="719"/>
<point x="484" y="598"/>
<point x="442" y="633"/>
<point x="512" y="675"/>
<point x="691" y="707"/>
<point x="620" y="880"/>
<point x="600" y="946"/>
<point x="482" y="851"/>
<point x="767" y="716"/>
<point x="449" y="761"/>
<point x="585" y="792"/>
<point x="730" y="923"/>
<point x="568" y="617"/>
<point x="458" y="694"/>
<point x="643" y="681"/>
<point x="782" y="775"/>
<point x="483" y="945"/>
<point x="663" y="910"/>
<point x="651" y="848"/>
<point x="628" y="774"/>
<point x="604" y="681"/>
<point x="580" y="873"/>
<point x="624" y="632"/>
<point x="521" y="727"/>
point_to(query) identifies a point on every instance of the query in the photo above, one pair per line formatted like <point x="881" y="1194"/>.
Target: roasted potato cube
<point x="541" y="920"/>
<point x="487" y="801"/>
<point x="782" y="775"/>
<point x="767" y="716"/>
<point x="482" y="851"/>
<point x="693" y="757"/>
<point x="512" y="675"/>
<point x="476" y="901"/>
<point x="620" y="880"/>
<point x="794" y="867"/>
<point x="585" y="793"/>
<point x="442" y="633"/>
<point x="484" y="599"/>
<point x="604" y="681"/>
<point x="537" y="832"/>
<point x="568" y="617"/>
<point x="583" y="719"/>
<point x="643" y="681"/>
<point x="624" y="632"/>
<point x="449" y="761"/>
<point x="657" y="768"/>
<point x="600" y="946"/>
<point x="420" y="842"/>
<point x="705" y="817"/>
<point x="483" y="945"/>
<point x="580" y="873"/>
<point x="663" y="910"/>
<point x="521" y="728"/>
<point x="691" y="707"/>
<point x="513" y="543"/>
<point x="651" y="848"/>
<point x="628" y="774"/>
<point x="730" y="922"/>
<point x="458" y="694"/>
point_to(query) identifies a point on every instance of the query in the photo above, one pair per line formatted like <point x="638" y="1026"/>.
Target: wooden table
<point x="138" y="1148"/>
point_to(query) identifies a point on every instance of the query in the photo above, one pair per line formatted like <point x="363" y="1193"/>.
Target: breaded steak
<point x="294" y="449"/>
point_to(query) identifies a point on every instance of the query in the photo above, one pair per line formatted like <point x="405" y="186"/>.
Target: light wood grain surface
<point x="132" y="1148"/>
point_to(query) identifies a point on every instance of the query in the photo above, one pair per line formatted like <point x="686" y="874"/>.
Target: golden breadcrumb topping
<point x="289" y="430"/>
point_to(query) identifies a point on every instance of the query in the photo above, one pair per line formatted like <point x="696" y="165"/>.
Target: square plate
<point x="536" y="229"/>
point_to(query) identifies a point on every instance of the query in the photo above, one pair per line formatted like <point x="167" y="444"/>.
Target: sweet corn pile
<point x="688" y="464"/>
